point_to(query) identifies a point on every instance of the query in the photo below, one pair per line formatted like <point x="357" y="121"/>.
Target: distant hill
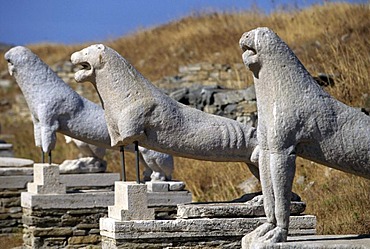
<point x="332" y="38"/>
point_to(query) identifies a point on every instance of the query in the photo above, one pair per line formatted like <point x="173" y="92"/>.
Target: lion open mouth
<point x="248" y="54"/>
<point x="11" y="68"/>
<point x="248" y="49"/>
<point x="247" y="45"/>
<point x="85" y="68"/>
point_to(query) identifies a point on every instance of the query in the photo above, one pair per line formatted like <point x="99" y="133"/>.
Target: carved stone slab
<point x="130" y="202"/>
<point x="15" y="162"/>
<point x="320" y="242"/>
<point x="165" y="186"/>
<point x="46" y="180"/>
<point x="212" y="210"/>
<point x="189" y="233"/>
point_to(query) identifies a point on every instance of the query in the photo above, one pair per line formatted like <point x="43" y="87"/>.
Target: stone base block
<point x="216" y="232"/>
<point x="9" y="162"/>
<point x="171" y="198"/>
<point x="89" y="180"/>
<point x="17" y="178"/>
<point x="74" y="200"/>
<point x="46" y="180"/>
<point x="133" y="214"/>
<point x="62" y="228"/>
<point x="13" y="181"/>
<point x="319" y="242"/>
<point x="245" y="209"/>
<point x="130" y="202"/>
<point x="10" y="211"/>
<point x="57" y="188"/>
<point x="165" y="186"/>
<point x="5" y="171"/>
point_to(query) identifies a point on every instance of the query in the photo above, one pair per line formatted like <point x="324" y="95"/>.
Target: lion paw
<point x="255" y="235"/>
<point x="276" y="235"/>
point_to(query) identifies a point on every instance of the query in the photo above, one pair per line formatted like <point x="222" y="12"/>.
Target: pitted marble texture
<point x="157" y="121"/>
<point x="56" y="107"/>
<point x="296" y="117"/>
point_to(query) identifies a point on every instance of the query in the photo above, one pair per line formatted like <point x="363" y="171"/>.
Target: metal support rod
<point x="137" y="162"/>
<point x="49" y="157"/>
<point x="42" y="156"/>
<point x="122" y="150"/>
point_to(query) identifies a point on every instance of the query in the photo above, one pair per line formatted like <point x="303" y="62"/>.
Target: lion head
<point x="19" y="57"/>
<point x="255" y="43"/>
<point x="91" y="59"/>
<point x="263" y="46"/>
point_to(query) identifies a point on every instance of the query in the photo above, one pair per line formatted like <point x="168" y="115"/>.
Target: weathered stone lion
<point x="296" y="117"/>
<point x="56" y="107"/>
<point x="157" y="121"/>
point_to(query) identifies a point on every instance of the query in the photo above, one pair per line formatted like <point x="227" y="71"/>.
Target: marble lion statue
<point x="56" y="107"/>
<point x="157" y="121"/>
<point x="296" y="117"/>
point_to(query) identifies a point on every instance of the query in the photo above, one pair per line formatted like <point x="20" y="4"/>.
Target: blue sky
<point x="25" y="22"/>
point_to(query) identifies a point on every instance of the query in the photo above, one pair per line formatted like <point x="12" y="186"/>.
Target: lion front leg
<point x="48" y="136"/>
<point x="268" y="201"/>
<point x="282" y="168"/>
<point x="37" y="132"/>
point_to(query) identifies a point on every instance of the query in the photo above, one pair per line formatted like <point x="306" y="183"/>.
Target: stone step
<point x="11" y="178"/>
<point x="15" y="162"/>
<point x="246" y="209"/>
<point x="320" y="242"/>
<point x="194" y="233"/>
<point x="67" y="201"/>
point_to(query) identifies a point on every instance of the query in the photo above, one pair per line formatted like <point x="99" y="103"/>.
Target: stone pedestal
<point x="63" y="220"/>
<point x="16" y="173"/>
<point x="319" y="242"/>
<point x="197" y="225"/>
<point x="164" y="197"/>
<point x="46" y="180"/>
<point x="152" y="200"/>
<point x="56" y="218"/>
<point x="189" y="233"/>
<point x="230" y="210"/>
<point x="130" y="202"/>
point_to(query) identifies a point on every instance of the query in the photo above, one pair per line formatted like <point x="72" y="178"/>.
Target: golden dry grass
<point x="11" y="241"/>
<point x="332" y="39"/>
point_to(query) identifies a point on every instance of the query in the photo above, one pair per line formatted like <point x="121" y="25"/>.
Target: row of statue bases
<point x="296" y="117"/>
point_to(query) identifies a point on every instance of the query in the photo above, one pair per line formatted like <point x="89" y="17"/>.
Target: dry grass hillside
<point x="332" y="39"/>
